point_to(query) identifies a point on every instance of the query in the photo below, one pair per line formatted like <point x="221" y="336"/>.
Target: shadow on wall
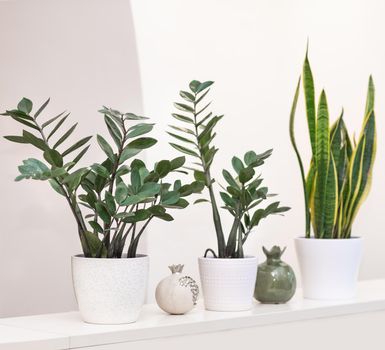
<point x="82" y="55"/>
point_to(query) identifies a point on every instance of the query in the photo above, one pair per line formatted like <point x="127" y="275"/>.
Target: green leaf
<point x="162" y="168"/>
<point x="250" y="157"/>
<point x="78" y="157"/>
<point x="41" y="109"/>
<point x="132" y="116"/>
<point x="308" y="85"/>
<point x="184" y="150"/>
<point x="322" y="163"/>
<point x="201" y="200"/>
<point x="183" y="118"/>
<point x="149" y="189"/>
<point x="48" y="122"/>
<point x="139" y="129"/>
<point x="181" y="138"/>
<point x="57" y="126"/>
<point x="17" y="139"/>
<point x="142" y="143"/>
<point x="228" y="200"/>
<point x="183" y="107"/>
<point x="237" y="164"/>
<point x="165" y="217"/>
<point x="157" y="210"/>
<point x="53" y="157"/>
<point x="369" y="98"/>
<point x="96" y="226"/>
<point x="257" y="216"/>
<point x="113" y="129"/>
<point x="65" y="136"/>
<point x="100" y="170"/>
<point x="95" y="245"/>
<point x="246" y="174"/>
<point x="35" y="141"/>
<point x="177" y="162"/>
<point x="187" y="96"/>
<point x="121" y="193"/>
<point x="77" y="145"/>
<point x="107" y="149"/>
<point x="331" y="200"/>
<point x="128" y="153"/>
<point x="194" y="85"/>
<point x="170" y="197"/>
<point x="73" y="180"/>
<point x="25" y="105"/>
<point x="230" y="180"/>
<point x="33" y="169"/>
<point x="204" y="86"/>
<point x="103" y="212"/>
<point x="110" y="202"/>
<point x="200" y="176"/>
<point x="54" y="184"/>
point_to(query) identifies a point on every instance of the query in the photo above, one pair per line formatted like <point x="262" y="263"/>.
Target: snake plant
<point x="244" y="190"/>
<point x="340" y="171"/>
<point x="120" y="200"/>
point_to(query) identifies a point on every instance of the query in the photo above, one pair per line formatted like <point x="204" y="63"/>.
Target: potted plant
<point x="336" y="184"/>
<point x="228" y="276"/>
<point x="111" y="202"/>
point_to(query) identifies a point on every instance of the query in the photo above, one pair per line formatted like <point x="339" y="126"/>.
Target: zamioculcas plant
<point x="120" y="199"/>
<point x="340" y="172"/>
<point x="243" y="191"/>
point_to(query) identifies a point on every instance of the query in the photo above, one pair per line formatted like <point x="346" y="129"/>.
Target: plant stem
<point x="209" y="184"/>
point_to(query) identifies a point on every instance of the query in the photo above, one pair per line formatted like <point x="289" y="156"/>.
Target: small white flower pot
<point x="110" y="291"/>
<point x="329" y="267"/>
<point x="228" y="284"/>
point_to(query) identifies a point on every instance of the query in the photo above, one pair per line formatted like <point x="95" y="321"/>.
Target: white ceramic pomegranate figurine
<point x="177" y="294"/>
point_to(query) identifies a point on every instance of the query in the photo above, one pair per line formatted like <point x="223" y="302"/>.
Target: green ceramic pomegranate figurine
<point x="276" y="281"/>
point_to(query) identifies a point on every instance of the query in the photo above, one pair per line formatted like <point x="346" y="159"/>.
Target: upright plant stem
<point x="215" y="212"/>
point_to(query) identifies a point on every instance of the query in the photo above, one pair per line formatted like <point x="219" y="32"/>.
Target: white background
<point x="83" y="54"/>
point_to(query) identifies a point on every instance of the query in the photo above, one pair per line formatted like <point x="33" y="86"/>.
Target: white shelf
<point x="67" y="331"/>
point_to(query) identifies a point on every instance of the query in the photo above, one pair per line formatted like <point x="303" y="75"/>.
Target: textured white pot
<point x="329" y="267"/>
<point x="110" y="291"/>
<point x="228" y="284"/>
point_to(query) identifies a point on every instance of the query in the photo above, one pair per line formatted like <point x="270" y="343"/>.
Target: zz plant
<point x="120" y="200"/>
<point x="243" y="192"/>
<point x="340" y="172"/>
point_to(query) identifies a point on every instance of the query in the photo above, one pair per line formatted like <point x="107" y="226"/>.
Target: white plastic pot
<point x="110" y="291"/>
<point x="329" y="267"/>
<point x="228" y="284"/>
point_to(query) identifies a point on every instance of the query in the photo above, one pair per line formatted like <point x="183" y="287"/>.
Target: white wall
<point x="254" y="50"/>
<point x="82" y="54"/>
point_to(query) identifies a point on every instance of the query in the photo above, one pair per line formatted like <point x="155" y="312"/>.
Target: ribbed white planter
<point x="110" y="291"/>
<point x="329" y="267"/>
<point x="228" y="284"/>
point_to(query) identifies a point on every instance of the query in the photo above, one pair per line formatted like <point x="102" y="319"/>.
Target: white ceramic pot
<point x="228" y="284"/>
<point x="329" y="267"/>
<point x="110" y="291"/>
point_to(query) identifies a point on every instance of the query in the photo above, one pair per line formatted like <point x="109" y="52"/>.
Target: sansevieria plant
<point x="340" y="172"/>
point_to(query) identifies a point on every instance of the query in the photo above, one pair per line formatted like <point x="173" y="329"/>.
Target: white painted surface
<point x="14" y="338"/>
<point x="156" y="326"/>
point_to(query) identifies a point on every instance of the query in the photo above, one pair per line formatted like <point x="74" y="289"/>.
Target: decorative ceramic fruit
<point x="177" y="294"/>
<point x="276" y="281"/>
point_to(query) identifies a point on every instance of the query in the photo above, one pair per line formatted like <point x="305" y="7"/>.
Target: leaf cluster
<point x="243" y="192"/>
<point x="119" y="200"/>
<point x="339" y="175"/>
